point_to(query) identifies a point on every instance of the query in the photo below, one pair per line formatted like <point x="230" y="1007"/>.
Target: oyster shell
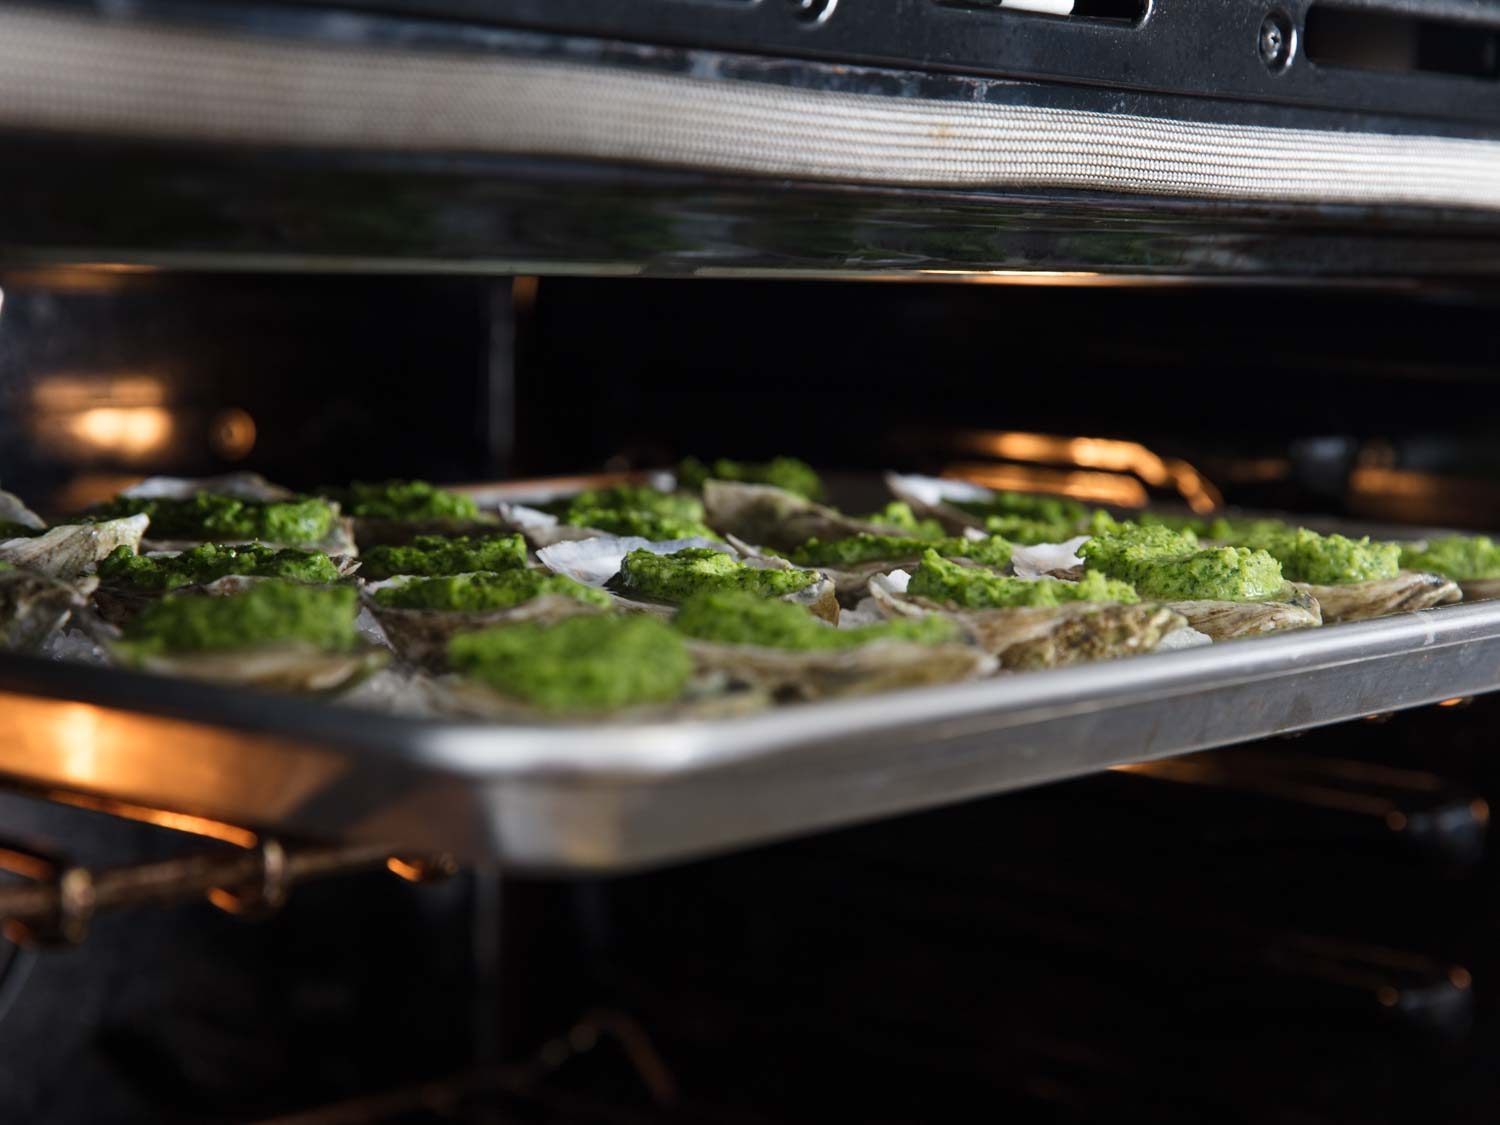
<point x="33" y="607"/>
<point x="596" y="562"/>
<point x="1357" y="601"/>
<point x="705" y="699"/>
<point x="1224" y="620"/>
<point x="71" y="549"/>
<point x="277" y="668"/>
<point x="543" y="529"/>
<point x="930" y="498"/>
<point x="12" y="510"/>
<point x="370" y="531"/>
<point x="117" y="604"/>
<point x="876" y="667"/>
<point x="1480" y="589"/>
<point x="422" y="635"/>
<point x="1045" y="637"/>
<point x="765" y="514"/>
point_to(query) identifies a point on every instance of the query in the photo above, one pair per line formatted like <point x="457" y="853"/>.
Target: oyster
<point x="33" y="607"/>
<point x="71" y="549"/>
<point x="765" y="514"/>
<point x="1043" y="637"/>
<point x="542" y="529"/>
<point x="273" y="667"/>
<point x="1480" y="589"/>
<point x="596" y="562"/>
<point x="875" y="667"/>
<point x="422" y="635"/>
<point x="374" y="531"/>
<point x="708" y="697"/>
<point x="1356" y="601"/>
<point x="119" y="603"/>
<point x="1225" y="620"/>
<point x="932" y="498"/>
<point x="242" y="486"/>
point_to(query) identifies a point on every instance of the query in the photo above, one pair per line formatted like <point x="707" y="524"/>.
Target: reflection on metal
<point x="178" y="822"/>
<point x="1104" y="454"/>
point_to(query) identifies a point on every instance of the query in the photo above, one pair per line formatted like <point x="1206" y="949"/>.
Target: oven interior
<point x="1295" y="930"/>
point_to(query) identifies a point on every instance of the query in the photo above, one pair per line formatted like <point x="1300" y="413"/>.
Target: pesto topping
<point x="863" y="548"/>
<point x="209" y="516"/>
<point x="270" y="613"/>
<point x="898" y="513"/>
<point x="1170" y="565"/>
<point x="211" y="562"/>
<point x="9" y="530"/>
<point x="1047" y="509"/>
<point x="440" y="554"/>
<point x="1029" y="531"/>
<point x="1322" y="560"/>
<point x="403" y="500"/>
<point x="1462" y="557"/>
<point x="484" y="593"/>
<point x="973" y="588"/>
<point x="734" y="618"/>
<point x="586" y="663"/>
<point x="635" y="510"/>
<point x="783" y="472"/>
<point x="678" y="576"/>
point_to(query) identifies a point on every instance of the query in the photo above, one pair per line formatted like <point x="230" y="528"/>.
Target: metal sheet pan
<point x="608" y="797"/>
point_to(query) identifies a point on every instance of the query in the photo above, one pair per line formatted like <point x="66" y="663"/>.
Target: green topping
<point x="209" y="516"/>
<point x="586" y="663"/>
<point x="211" y="562"/>
<point x="863" y="548"/>
<point x="269" y="613"/>
<point x="1462" y="557"/>
<point x="438" y="554"/>
<point x="784" y="472"/>
<point x="898" y="513"/>
<point x="735" y="618"/>
<point x="635" y="510"/>
<point x="1170" y="565"/>
<point x="973" y="588"/>
<point x="1047" y="509"/>
<point x="403" y="500"/>
<point x="9" y="530"/>
<point x="677" y="577"/>
<point x="484" y="593"/>
<point x="1322" y="560"/>
<point x="1028" y="531"/>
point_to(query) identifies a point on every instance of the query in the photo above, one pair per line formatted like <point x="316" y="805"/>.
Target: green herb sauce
<point x="587" y="663"/>
<point x="403" y="500"/>
<point x="784" y="472"/>
<point x="1170" y="565"/>
<point x="1322" y="560"/>
<point x="973" y="588"/>
<point x="210" y="562"/>
<point x="635" y="510"/>
<point x="992" y="551"/>
<point x="734" y="618"/>
<point x="215" y="518"/>
<point x="439" y="554"/>
<point x="677" y="577"/>
<point x="1465" y="558"/>
<point x="484" y="593"/>
<point x="270" y="613"/>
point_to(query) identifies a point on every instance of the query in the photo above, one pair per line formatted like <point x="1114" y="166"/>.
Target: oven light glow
<point x="1106" y="454"/>
<point x="127" y="431"/>
<point x="232" y="434"/>
<point x="1099" y="488"/>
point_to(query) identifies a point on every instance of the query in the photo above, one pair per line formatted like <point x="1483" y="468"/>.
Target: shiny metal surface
<point x="605" y="798"/>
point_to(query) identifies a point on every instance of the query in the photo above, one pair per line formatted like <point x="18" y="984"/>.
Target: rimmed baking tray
<point x="610" y="797"/>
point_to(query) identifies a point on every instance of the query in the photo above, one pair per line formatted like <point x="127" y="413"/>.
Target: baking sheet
<point x="603" y="798"/>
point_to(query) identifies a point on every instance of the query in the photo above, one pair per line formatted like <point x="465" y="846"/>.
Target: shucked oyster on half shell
<point x="422" y="635"/>
<point x="827" y="674"/>
<point x="707" y="697"/>
<point x="71" y="549"/>
<point x="14" y="510"/>
<point x="273" y="667"/>
<point x="241" y="486"/>
<point x="1226" y="620"/>
<point x="596" y="562"/>
<point x="765" y="514"/>
<point x="933" y="498"/>
<point x="542" y="529"/>
<point x="377" y="531"/>
<point x="119" y="603"/>
<point x="1043" y="637"/>
<point x="1357" y="601"/>
<point x="35" y="606"/>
